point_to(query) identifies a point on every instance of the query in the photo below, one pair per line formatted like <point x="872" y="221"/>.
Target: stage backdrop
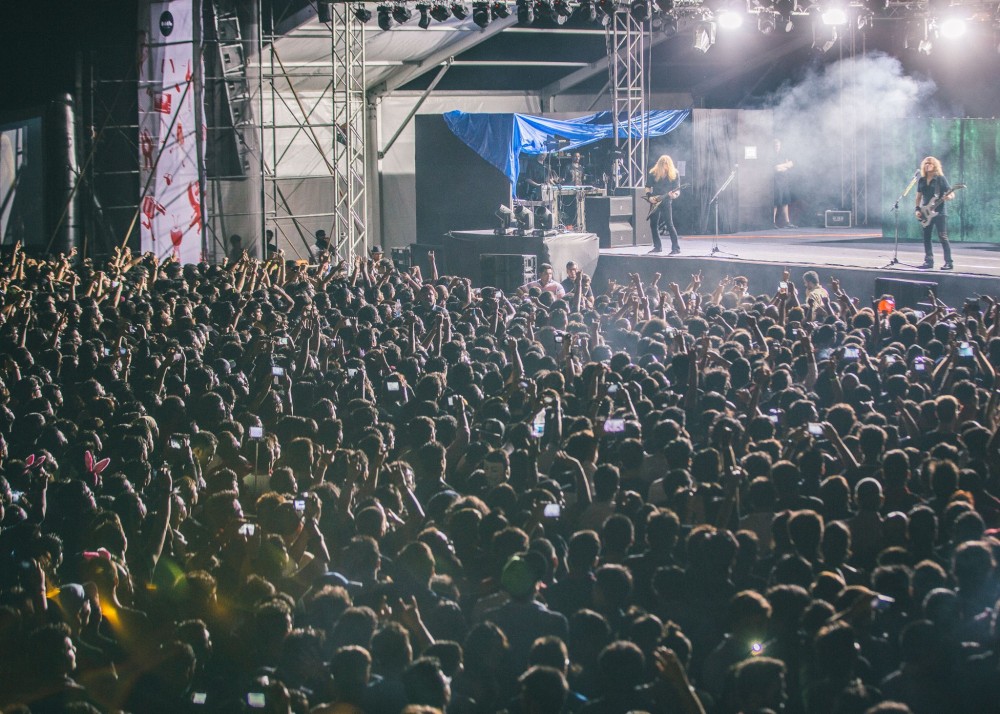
<point x="969" y="150"/>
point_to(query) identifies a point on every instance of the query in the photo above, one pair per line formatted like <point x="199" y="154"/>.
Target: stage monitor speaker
<point x="402" y="259"/>
<point x="418" y="256"/>
<point x="837" y="219"/>
<point x="908" y="293"/>
<point x="641" y="234"/>
<point x="610" y="218"/>
<point x="507" y="271"/>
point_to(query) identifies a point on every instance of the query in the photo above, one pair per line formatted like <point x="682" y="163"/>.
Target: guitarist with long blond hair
<point x="933" y="187"/>
<point x="663" y="188"/>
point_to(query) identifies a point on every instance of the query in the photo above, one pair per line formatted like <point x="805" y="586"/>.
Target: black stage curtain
<point x="715" y="155"/>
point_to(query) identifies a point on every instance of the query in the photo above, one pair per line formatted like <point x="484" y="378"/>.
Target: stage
<point x="856" y="256"/>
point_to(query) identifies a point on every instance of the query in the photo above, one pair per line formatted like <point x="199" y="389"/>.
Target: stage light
<point x="824" y="37"/>
<point x="835" y="16"/>
<point x="362" y="13"/>
<point x="704" y="36"/>
<point x="729" y="19"/>
<point x="440" y="11"/>
<point x="952" y="28"/>
<point x="766" y="23"/>
<point x="639" y="10"/>
<point x="665" y="5"/>
<point x="543" y="218"/>
<point x="667" y="24"/>
<point x="877" y="6"/>
<point x="525" y="12"/>
<point x="917" y="37"/>
<point x="586" y="10"/>
<point x="401" y="13"/>
<point x="425" y="19"/>
<point x="524" y="217"/>
<point x="562" y="9"/>
<point x="384" y="17"/>
<point x="481" y="14"/>
<point x="606" y="10"/>
<point x="460" y="10"/>
<point x="499" y="9"/>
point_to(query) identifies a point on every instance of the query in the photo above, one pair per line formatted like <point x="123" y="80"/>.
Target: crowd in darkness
<point x="346" y="488"/>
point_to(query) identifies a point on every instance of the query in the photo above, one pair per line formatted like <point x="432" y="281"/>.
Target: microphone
<point x="916" y="174"/>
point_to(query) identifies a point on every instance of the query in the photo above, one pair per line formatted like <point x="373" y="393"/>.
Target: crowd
<point x="344" y="488"/>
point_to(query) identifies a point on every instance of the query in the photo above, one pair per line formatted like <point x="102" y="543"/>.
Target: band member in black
<point x="536" y="175"/>
<point x="782" y="186"/>
<point x="933" y="186"/>
<point x="576" y="172"/>
<point x="664" y="187"/>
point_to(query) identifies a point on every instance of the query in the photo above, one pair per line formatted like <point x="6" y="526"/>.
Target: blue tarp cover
<point x="500" y="138"/>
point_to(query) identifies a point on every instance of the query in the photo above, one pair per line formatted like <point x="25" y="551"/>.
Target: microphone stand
<point x="714" y="203"/>
<point x="895" y="220"/>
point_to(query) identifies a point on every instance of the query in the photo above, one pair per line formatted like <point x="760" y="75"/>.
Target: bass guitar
<point x="927" y="212"/>
<point x="655" y="202"/>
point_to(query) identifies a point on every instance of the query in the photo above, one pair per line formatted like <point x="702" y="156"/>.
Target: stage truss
<point x="627" y="69"/>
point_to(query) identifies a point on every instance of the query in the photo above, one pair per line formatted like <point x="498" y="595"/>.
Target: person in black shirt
<point x="933" y="186"/>
<point x="663" y="188"/>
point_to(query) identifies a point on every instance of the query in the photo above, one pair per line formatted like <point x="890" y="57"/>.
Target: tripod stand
<point x="895" y="220"/>
<point x="713" y="203"/>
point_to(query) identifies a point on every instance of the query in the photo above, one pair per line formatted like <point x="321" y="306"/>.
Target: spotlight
<point x="525" y="219"/>
<point x="401" y="13"/>
<point x="704" y="36"/>
<point x="835" y="16"/>
<point x="525" y="12"/>
<point x="384" y="17"/>
<point x="918" y="36"/>
<point x="562" y="9"/>
<point x="766" y="23"/>
<point x="824" y="37"/>
<point x="499" y="9"/>
<point x="460" y="10"/>
<point x="440" y="11"/>
<point x="362" y="13"/>
<point x="543" y="218"/>
<point x="607" y="9"/>
<point x="586" y="10"/>
<point x="425" y="18"/>
<point x="952" y="28"/>
<point x="639" y="10"/>
<point x="729" y="19"/>
<point x="481" y="13"/>
<point x="506" y="217"/>
<point x="784" y="8"/>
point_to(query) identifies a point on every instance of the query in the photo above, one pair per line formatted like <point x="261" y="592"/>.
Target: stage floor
<point x="856" y="249"/>
<point x="858" y="257"/>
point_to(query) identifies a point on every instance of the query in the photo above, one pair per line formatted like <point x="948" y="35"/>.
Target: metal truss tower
<point x="313" y="133"/>
<point x="626" y="66"/>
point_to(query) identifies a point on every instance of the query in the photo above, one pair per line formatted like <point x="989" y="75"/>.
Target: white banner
<point x="170" y="202"/>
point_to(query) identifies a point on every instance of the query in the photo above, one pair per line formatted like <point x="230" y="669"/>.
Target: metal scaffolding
<point x="313" y="133"/>
<point x="626" y="66"/>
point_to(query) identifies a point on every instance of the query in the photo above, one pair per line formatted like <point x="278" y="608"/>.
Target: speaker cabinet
<point x="908" y="293"/>
<point x="506" y="271"/>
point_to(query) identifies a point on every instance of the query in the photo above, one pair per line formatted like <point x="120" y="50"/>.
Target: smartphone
<point x="131" y="329"/>
<point x="920" y="364"/>
<point x="392" y="385"/>
<point x="122" y="350"/>
<point x="775" y="416"/>
<point x="256" y="432"/>
<point x="552" y="510"/>
<point x="199" y="697"/>
<point x="256" y="700"/>
<point x="614" y="426"/>
<point x="964" y="349"/>
<point x="890" y="359"/>
<point x="783" y="285"/>
<point x="613" y="389"/>
<point x="881" y="603"/>
<point x="351" y="372"/>
<point x="559" y="338"/>
<point x="851" y="353"/>
<point x="522" y="384"/>
<point x="538" y="424"/>
<point x="283" y="341"/>
<point x="815" y="429"/>
<point x="452" y="400"/>
<point x="16" y="496"/>
<point x="105" y="351"/>
<point x="179" y="441"/>
<point x="300" y="505"/>
<point x="278" y="371"/>
<point x="247" y="529"/>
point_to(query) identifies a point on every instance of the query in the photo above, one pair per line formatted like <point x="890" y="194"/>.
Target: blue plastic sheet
<point x="500" y="138"/>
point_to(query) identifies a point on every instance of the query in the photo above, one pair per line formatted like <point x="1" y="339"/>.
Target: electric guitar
<point x="655" y="202"/>
<point x="927" y="212"/>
